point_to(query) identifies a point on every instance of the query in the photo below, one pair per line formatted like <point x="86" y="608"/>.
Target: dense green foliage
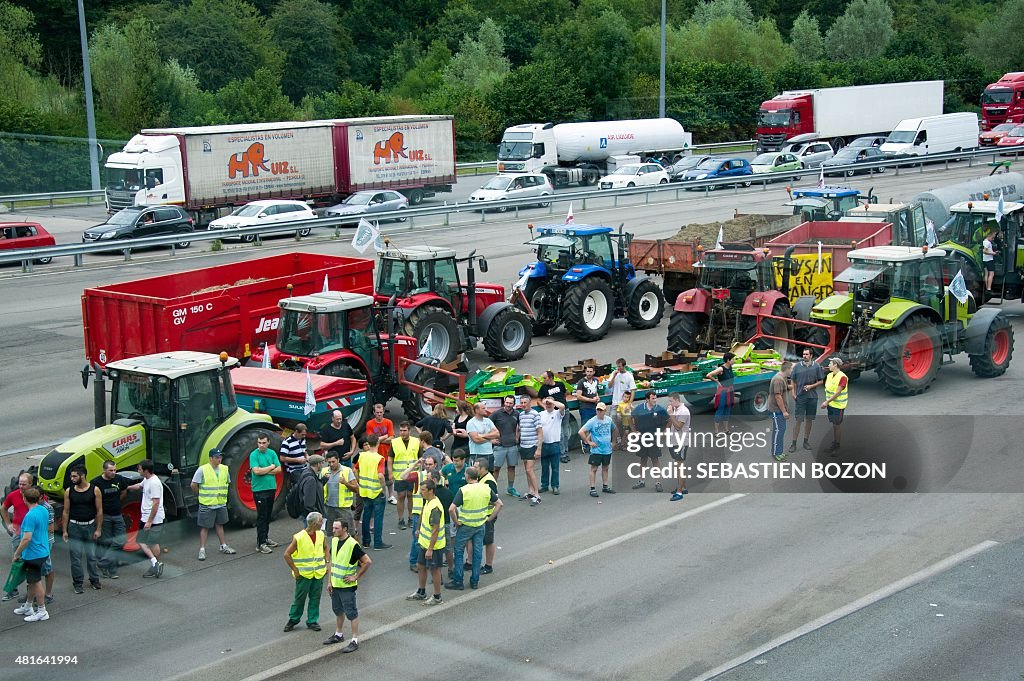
<point x="490" y="63"/>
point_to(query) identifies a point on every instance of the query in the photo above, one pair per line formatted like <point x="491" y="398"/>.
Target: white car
<point x="634" y="175"/>
<point x="502" y="187"/>
<point x="266" y="212"/>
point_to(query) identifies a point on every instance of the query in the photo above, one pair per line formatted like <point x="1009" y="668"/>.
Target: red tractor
<point x="444" y="314"/>
<point x="736" y="284"/>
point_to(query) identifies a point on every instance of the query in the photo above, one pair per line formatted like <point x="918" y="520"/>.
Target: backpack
<point x="293" y="502"/>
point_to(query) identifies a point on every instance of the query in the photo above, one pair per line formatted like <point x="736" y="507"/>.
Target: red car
<point x="990" y="138"/>
<point x="25" y="235"/>
<point x="1014" y="138"/>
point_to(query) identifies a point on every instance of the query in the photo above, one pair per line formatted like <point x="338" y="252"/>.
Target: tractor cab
<point x="734" y="272"/>
<point x="321" y="325"/>
<point x="824" y="204"/>
<point x="909" y="227"/>
<point x="882" y="275"/>
<point x="561" y="248"/>
<point x="965" y="232"/>
<point x="407" y="272"/>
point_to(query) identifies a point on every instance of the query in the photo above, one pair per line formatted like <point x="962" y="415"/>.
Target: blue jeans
<point x="464" y="535"/>
<point x="549" y="464"/>
<point x="778" y="432"/>
<point x="111" y="542"/>
<point x="373" y="511"/>
<point x="414" y="544"/>
<point x="80" y="542"/>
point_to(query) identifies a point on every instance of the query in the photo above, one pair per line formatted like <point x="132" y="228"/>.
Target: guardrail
<point x="671" y="191"/>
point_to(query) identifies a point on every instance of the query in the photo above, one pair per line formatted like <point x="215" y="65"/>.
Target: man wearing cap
<point x="836" y="398"/>
<point x="597" y="433"/>
<point x="210" y="483"/>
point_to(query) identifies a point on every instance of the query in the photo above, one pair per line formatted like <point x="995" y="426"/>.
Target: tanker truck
<point x="939" y="202"/>
<point x="839" y="114"/>
<point x="578" y="153"/>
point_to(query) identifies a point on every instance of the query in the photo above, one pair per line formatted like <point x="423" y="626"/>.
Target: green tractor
<point x="963" y="234"/>
<point x="899" y="319"/>
<point x="172" y="408"/>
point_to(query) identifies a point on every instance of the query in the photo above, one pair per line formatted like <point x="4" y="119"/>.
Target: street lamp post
<point x="90" y="116"/>
<point x="661" y="89"/>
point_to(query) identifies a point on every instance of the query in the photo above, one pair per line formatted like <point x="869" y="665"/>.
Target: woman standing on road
<point x="723" y="376"/>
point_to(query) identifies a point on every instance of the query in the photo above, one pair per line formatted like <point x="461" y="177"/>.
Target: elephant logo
<point x="390" y="149"/>
<point x="248" y="162"/>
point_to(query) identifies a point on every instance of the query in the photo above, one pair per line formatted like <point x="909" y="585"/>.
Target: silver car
<point x="369" y="201"/>
<point x="811" y="154"/>
<point x="502" y="187"/>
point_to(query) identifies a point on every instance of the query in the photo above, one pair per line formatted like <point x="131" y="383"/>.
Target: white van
<point x="932" y="135"/>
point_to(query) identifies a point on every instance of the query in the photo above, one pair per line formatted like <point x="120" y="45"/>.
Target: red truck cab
<point x="782" y="117"/>
<point x="1003" y="101"/>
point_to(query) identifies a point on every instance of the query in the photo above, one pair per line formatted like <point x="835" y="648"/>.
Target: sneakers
<point x="159" y="570"/>
<point x="9" y="595"/>
<point x="314" y="626"/>
<point x="95" y="584"/>
<point x="639" y="485"/>
<point x="227" y="549"/>
<point x="534" y="501"/>
<point x="542" y="490"/>
<point x="392" y="500"/>
<point x="554" y="490"/>
<point x="202" y="553"/>
<point x="564" y="459"/>
<point x="658" y="487"/>
<point x="49" y="599"/>
<point x="264" y="548"/>
<point x="38" y="616"/>
<point x="473" y="586"/>
<point x="486" y="570"/>
<point x="335" y="638"/>
<point x="271" y="543"/>
<point x="455" y="586"/>
<point x="104" y="571"/>
<point x="114" y="575"/>
<point x="401" y="524"/>
<point x="833" y="449"/>
<point x="607" y="490"/>
<point x="352" y="647"/>
<point x="435" y="600"/>
<point x="676" y="496"/>
<point x="513" y="493"/>
<point x="780" y="456"/>
<point x="151" y="572"/>
<point x="381" y="547"/>
<point x="25" y="608"/>
<point x="593" y="492"/>
<point x="416" y="596"/>
<point x="792" y="446"/>
<point x="807" y="445"/>
<point x="289" y="626"/>
<point x="79" y="589"/>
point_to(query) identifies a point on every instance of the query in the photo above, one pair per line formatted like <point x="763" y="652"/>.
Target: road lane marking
<point x="850" y="608"/>
<point x="463" y="598"/>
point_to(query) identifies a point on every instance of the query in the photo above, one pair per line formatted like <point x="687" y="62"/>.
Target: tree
<point x="863" y="32"/>
<point x="125" y="70"/>
<point x="20" y="52"/>
<point x="350" y="100"/>
<point x="524" y="21"/>
<point x="426" y="73"/>
<point x="996" y="42"/>
<point x="459" y="20"/>
<point x="480" y="62"/>
<point x="256" y="99"/>
<point x="222" y="40"/>
<point x="805" y="38"/>
<point x="315" y="45"/>
<point x="713" y="10"/>
<point x="538" y="92"/>
<point x="377" y="25"/>
<point x="727" y="40"/>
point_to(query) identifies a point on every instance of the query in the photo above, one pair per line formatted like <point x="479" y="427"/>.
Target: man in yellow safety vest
<point x="415" y="475"/>
<point x="475" y="503"/>
<point x="836" y="398"/>
<point x="372" y="483"/>
<point x="405" y="450"/>
<point x="432" y="542"/>
<point x="210" y="483"/>
<point x="307" y="560"/>
<point x="340" y="487"/>
<point x="346" y="562"/>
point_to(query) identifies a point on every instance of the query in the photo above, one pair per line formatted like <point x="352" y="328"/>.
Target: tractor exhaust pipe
<point x="99" y="398"/>
<point x="787" y="264"/>
<point x="471" y="289"/>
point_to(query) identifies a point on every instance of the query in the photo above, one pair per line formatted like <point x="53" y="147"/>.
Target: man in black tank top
<point x="83" y="523"/>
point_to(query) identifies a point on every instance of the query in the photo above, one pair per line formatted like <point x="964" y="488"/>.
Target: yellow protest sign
<point x="805" y="279"/>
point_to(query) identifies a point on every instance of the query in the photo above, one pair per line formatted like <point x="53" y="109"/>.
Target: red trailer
<point x="838" y="238"/>
<point x="231" y="307"/>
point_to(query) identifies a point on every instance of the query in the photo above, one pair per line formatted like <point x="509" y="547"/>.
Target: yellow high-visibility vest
<point x="369" y="483"/>
<point x="483" y="481"/>
<point x="213" y="491"/>
<point x="832" y="386"/>
<point x="309" y="555"/>
<point x="417" y="496"/>
<point x="476" y="498"/>
<point x="405" y="455"/>
<point x="344" y="493"/>
<point x="341" y="560"/>
<point x="425" y="529"/>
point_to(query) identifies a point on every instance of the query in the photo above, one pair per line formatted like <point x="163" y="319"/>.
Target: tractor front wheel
<point x="241" y="504"/>
<point x="509" y="335"/>
<point x="646" y="306"/>
<point x="910" y="356"/>
<point x="683" y="330"/>
<point x="587" y="309"/>
<point x="998" y="350"/>
<point x="440" y="327"/>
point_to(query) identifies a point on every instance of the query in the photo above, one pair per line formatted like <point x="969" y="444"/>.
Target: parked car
<point x="774" y="162"/>
<point x="500" y="188"/>
<point x="136" y="222"/>
<point x="866" y="141"/>
<point x="679" y="168"/>
<point x="266" y="212"/>
<point x="848" y="156"/>
<point x="811" y="154"/>
<point x="370" y="201"/>
<point x="634" y="175"/>
<point x="25" y="235"/>
<point x="1014" y="138"/>
<point x="720" y="167"/>
<point x="990" y="138"/>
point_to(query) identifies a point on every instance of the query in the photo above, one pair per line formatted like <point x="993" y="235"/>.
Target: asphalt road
<point x="673" y="601"/>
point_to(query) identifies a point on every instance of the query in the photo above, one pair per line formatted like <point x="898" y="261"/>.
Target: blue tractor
<point x="583" y="279"/>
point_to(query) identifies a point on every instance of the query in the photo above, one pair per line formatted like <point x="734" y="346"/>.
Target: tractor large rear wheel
<point x="440" y="327"/>
<point x="998" y="350"/>
<point x="509" y="335"/>
<point x="910" y="356"/>
<point x="646" y="306"/>
<point x="683" y="329"/>
<point x="241" y="505"/>
<point x="415" y="405"/>
<point x="772" y="327"/>
<point x="534" y="293"/>
<point x="357" y="416"/>
<point x="588" y="308"/>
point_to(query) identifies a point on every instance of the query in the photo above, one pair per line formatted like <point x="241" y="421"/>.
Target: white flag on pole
<point x="365" y="236"/>
<point x="999" y="209"/>
<point x="569" y="218"/>
<point x="428" y="346"/>
<point x="327" y="287"/>
<point x="265" y="364"/>
<point x="310" y="405"/>
<point x="721" y="236"/>
<point x="958" y="287"/>
<point x="821" y="178"/>
<point x="819" y="257"/>
<point x="932" y="239"/>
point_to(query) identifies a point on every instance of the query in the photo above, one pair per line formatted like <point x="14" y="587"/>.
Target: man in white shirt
<point x="152" y="517"/>
<point x="679" y="429"/>
<point x="551" y="444"/>
<point x="621" y="381"/>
